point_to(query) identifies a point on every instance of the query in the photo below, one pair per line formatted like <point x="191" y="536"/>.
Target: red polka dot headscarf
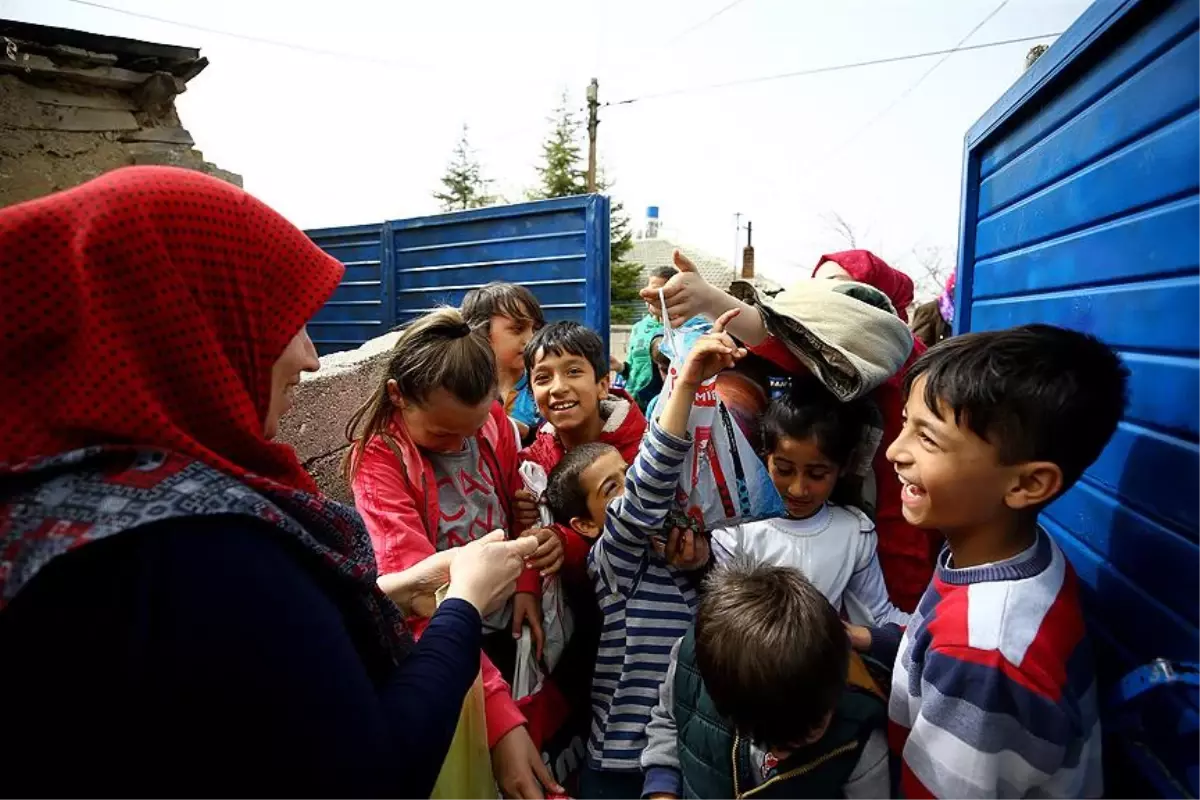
<point x="147" y="308"/>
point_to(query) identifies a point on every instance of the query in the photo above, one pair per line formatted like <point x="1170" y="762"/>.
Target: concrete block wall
<point x="325" y="401"/>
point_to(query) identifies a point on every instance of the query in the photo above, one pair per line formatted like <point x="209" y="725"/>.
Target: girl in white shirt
<point x="809" y="440"/>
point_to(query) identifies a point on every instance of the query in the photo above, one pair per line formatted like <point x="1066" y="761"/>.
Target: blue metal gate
<point x="399" y="270"/>
<point x="1080" y="209"/>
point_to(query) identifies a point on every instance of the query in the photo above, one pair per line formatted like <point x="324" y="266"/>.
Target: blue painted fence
<point x="1080" y="209"/>
<point x="398" y="270"/>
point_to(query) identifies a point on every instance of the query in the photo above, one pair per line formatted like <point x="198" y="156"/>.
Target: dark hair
<point x="657" y="355"/>
<point x="1034" y="392"/>
<point x="809" y="410"/>
<point x="436" y="351"/>
<point x="664" y="273"/>
<point x="563" y="338"/>
<point x="772" y="651"/>
<point x="499" y="298"/>
<point x="565" y="495"/>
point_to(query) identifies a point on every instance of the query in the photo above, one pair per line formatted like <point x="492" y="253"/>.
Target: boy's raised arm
<point x="653" y="477"/>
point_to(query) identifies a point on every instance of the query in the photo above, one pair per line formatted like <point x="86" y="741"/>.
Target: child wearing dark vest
<point x="762" y="698"/>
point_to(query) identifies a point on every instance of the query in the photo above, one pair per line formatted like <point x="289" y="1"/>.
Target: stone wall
<point x="69" y="114"/>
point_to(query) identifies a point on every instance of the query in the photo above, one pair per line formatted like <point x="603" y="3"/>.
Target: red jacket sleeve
<point x="391" y="513"/>
<point x="777" y="353"/>
<point x="499" y="708"/>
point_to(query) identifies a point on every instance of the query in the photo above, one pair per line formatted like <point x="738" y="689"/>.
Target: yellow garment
<point x="860" y="677"/>
<point x="467" y="769"/>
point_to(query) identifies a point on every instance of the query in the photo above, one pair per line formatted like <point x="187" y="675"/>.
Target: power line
<point x="833" y="68"/>
<point x="901" y="97"/>
<point x="255" y="39"/>
<point x="688" y="31"/>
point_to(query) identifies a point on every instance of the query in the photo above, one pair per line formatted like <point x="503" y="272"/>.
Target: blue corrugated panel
<point x="1080" y="209"/>
<point x="558" y="248"/>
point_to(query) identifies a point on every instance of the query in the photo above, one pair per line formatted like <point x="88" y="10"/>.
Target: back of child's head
<point x="566" y="496"/>
<point x="436" y="351"/>
<point x="663" y="273"/>
<point x="771" y="650"/>
<point x="499" y="298"/>
<point x="1034" y="392"/>
<point x="568" y="338"/>
<point x="808" y="410"/>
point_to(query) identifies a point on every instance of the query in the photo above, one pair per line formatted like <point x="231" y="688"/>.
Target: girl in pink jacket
<point x="433" y="466"/>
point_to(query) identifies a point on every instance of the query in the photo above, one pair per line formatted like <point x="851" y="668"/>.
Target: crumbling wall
<point x="325" y="401"/>
<point x="56" y="133"/>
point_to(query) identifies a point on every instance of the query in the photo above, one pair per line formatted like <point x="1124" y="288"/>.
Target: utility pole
<point x="593" y="102"/>
<point x="737" y="240"/>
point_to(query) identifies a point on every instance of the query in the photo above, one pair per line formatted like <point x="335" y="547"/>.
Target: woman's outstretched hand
<point x="484" y="572"/>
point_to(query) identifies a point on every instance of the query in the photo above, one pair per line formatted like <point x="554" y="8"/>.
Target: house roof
<point x="658" y="252"/>
<point x="94" y="51"/>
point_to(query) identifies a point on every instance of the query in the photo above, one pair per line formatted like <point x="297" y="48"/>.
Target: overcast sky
<point x="331" y="140"/>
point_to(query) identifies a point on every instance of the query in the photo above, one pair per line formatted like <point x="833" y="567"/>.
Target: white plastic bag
<point x="557" y="624"/>
<point x="724" y="482"/>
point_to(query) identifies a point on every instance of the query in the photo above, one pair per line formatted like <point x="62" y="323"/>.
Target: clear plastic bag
<point x="724" y="482"/>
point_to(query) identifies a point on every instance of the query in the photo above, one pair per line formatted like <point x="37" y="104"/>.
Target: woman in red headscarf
<point x="181" y="612"/>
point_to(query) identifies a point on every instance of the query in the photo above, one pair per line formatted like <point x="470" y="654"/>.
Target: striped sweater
<point x="994" y="693"/>
<point x="647" y="606"/>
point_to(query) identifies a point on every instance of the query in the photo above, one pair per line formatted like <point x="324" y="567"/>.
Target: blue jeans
<point x="597" y="784"/>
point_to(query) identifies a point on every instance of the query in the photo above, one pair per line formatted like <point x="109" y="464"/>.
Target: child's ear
<point x="604" y="384"/>
<point x="1036" y="483"/>
<point x="393" y="393"/>
<point x="585" y="528"/>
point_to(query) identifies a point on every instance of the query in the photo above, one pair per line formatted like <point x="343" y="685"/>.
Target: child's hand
<point x="712" y="353"/>
<point x="527" y="610"/>
<point x="860" y="637"/>
<point x="525" y="509"/>
<point x="683" y="550"/>
<point x="548" y="558"/>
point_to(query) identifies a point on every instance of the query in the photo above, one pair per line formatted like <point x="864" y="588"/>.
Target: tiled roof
<point x="657" y="252"/>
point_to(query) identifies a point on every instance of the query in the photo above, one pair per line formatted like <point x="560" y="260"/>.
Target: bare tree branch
<point x="844" y="230"/>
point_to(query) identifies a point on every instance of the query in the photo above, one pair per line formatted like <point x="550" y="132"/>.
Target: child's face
<point x="952" y="480"/>
<point x="603" y="480"/>
<point x="442" y="423"/>
<point x="802" y="474"/>
<point x="566" y="390"/>
<point x="509" y="337"/>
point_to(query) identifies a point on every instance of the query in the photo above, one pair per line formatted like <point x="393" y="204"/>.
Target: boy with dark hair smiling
<point x="568" y="373"/>
<point x="993" y="693"/>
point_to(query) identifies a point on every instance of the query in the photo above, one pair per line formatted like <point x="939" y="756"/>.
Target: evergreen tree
<point x="562" y="155"/>
<point x="563" y="173"/>
<point x="464" y="185"/>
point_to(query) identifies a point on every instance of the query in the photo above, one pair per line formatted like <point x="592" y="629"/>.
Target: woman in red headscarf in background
<point x="181" y="611"/>
<point x="906" y="554"/>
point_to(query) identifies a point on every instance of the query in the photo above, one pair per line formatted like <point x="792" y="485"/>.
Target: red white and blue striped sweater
<point x="993" y="693"/>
